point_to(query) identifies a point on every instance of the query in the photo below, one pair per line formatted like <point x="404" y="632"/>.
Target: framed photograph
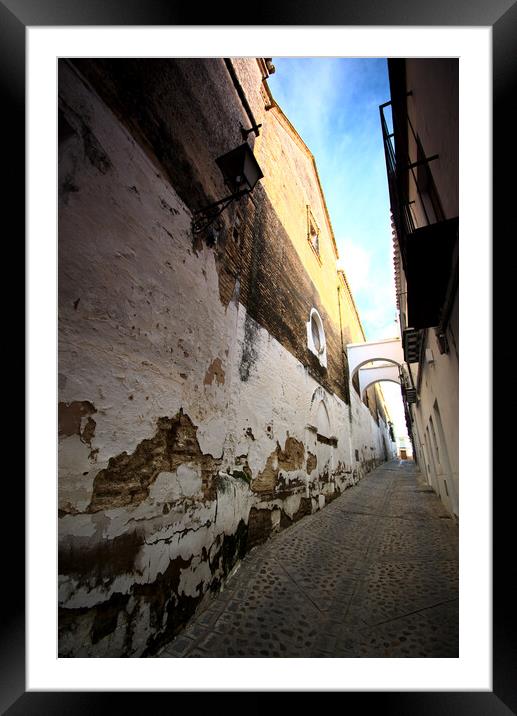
<point x="36" y="47"/>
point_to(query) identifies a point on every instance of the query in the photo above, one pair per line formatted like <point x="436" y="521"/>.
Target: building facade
<point x="204" y="394"/>
<point x="420" y="128"/>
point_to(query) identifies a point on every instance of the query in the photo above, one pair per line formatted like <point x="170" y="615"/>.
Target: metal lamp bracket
<point x="246" y="132"/>
<point x="203" y="218"/>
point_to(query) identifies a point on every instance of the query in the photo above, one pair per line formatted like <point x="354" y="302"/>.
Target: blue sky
<point x="334" y="105"/>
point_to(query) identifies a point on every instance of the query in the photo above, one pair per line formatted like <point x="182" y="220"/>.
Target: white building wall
<point x="439" y="405"/>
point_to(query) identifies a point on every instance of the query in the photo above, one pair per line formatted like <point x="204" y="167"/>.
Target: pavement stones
<point x="373" y="574"/>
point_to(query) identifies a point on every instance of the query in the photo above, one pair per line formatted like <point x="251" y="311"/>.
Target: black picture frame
<point x="501" y="15"/>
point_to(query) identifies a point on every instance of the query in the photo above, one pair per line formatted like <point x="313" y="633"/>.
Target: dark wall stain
<point x="304" y="509"/>
<point x="101" y="620"/>
<point x="234" y="547"/>
<point x="161" y="594"/>
<point x="68" y="150"/>
<point x="76" y="142"/>
<point x="88" y="431"/>
<point x="103" y="560"/>
<point x="251" y="293"/>
<point x="94" y="150"/>
<point x="69" y="419"/>
<point x="244" y="474"/>
<point x="127" y="478"/>
<point x="230" y="549"/>
<point x="259" y="526"/>
<point x="177" y="613"/>
<point x="312" y="462"/>
<point x="106" y="617"/>
<point x="176" y="608"/>
<point x="64" y="129"/>
<point x="329" y="496"/>
<point x="325" y="440"/>
<point x="249" y="349"/>
<point x="168" y="612"/>
<point x="70" y="627"/>
<point x="67" y="186"/>
<point x="324" y="477"/>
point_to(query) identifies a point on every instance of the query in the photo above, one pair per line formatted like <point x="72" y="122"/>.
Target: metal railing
<point x="399" y="169"/>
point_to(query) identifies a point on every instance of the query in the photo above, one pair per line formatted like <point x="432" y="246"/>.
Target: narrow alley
<point x="375" y="574"/>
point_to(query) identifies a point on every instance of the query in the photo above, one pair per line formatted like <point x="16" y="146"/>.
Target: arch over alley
<point x="375" y="374"/>
<point x="360" y="354"/>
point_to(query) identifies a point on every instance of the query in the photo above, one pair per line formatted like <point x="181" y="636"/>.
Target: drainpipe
<point x="242" y="96"/>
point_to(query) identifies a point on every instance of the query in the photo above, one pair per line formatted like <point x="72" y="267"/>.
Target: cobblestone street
<point x="374" y="574"/>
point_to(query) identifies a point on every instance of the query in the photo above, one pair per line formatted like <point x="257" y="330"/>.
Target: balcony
<point x="430" y="253"/>
<point x="410" y="395"/>
<point x="411" y="340"/>
<point x="426" y="239"/>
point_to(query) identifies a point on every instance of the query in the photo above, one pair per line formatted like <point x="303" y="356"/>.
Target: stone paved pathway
<point x="374" y="574"/>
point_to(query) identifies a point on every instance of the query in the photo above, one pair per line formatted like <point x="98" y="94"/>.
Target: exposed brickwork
<point x="279" y="294"/>
<point x="292" y="457"/>
<point x="127" y="478"/>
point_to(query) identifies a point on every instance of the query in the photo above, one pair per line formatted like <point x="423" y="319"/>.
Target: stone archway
<point x="321" y="440"/>
<point x="375" y="374"/>
<point x="386" y="351"/>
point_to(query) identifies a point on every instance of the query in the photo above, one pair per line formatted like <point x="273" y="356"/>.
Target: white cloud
<point x="355" y="261"/>
<point x="307" y="96"/>
<point x="373" y="295"/>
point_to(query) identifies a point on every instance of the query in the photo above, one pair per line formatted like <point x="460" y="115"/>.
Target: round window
<point x="316" y="334"/>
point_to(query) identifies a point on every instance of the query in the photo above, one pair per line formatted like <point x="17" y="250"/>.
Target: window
<point x="316" y="337"/>
<point x="313" y="233"/>
<point x="314" y="239"/>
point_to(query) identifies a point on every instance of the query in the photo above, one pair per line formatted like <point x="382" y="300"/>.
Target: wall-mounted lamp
<point x="241" y="172"/>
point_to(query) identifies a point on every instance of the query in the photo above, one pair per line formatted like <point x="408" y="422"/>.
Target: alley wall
<point x="193" y="419"/>
<point x="432" y="109"/>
